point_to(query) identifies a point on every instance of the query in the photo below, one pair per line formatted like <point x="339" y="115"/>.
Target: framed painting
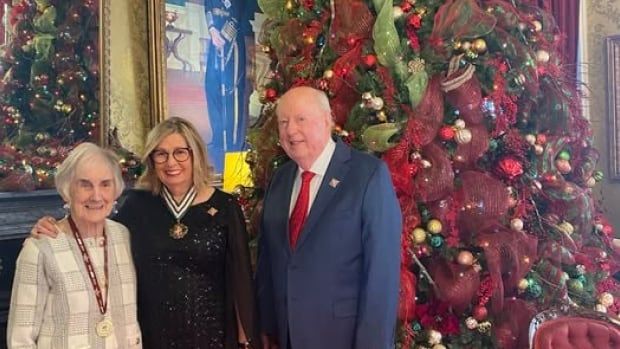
<point x="203" y="68"/>
<point x="613" y="105"/>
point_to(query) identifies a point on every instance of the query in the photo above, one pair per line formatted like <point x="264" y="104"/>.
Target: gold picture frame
<point x="613" y="105"/>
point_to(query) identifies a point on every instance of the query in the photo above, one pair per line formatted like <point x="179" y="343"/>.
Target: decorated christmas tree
<point x="49" y="88"/>
<point x="470" y="105"/>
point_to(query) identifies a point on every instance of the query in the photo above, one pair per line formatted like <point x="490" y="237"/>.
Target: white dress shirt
<point x="319" y="167"/>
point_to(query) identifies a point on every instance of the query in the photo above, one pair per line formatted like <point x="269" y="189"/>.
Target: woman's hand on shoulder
<point x="45" y="226"/>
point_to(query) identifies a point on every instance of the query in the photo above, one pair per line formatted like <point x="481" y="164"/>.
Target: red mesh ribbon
<point x="437" y="181"/>
<point x="462" y="19"/>
<point x="512" y="325"/>
<point x="484" y="200"/>
<point x="456" y="284"/>
<point x="353" y="21"/>
<point x="341" y="85"/>
<point x="406" y="304"/>
<point x="509" y="255"/>
<point x="464" y="93"/>
<point x="427" y="118"/>
<point x="467" y="154"/>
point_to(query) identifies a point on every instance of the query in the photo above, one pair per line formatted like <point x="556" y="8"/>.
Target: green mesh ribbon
<point x="416" y="82"/>
<point x="272" y="8"/>
<point x="377" y="137"/>
<point x="389" y="52"/>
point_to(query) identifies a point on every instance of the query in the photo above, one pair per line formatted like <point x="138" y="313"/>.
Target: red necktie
<point x="300" y="211"/>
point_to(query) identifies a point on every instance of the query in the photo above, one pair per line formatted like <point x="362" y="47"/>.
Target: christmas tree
<point x="49" y="93"/>
<point x="471" y="107"/>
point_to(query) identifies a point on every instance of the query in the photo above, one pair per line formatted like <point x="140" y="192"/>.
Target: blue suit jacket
<point x="339" y="288"/>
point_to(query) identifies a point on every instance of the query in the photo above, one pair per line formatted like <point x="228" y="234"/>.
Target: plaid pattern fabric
<point x="53" y="304"/>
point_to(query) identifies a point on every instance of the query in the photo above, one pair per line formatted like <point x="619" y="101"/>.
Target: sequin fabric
<point x="181" y="282"/>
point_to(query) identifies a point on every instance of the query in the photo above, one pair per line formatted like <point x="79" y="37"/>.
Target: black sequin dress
<point x="188" y="288"/>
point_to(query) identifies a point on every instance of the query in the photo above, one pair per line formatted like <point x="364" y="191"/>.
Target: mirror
<point x="54" y="90"/>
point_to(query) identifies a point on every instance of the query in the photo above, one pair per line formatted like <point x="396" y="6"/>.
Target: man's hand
<point x="217" y="38"/>
<point x="269" y="342"/>
<point x="46" y="226"/>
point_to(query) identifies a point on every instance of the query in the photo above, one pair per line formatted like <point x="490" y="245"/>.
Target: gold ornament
<point x="328" y="74"/>
<point x="465" y="45"/>
<point x="381" y="116"/>
<point x="463" y="136"/>
<point x="537" y="25"/>
<point x="419" y="235"/>
<point x="566" y="228"/>
<point x="308" y="40"/>
<point x="66" y="108"/>
<point x="480" y="46"/>
<point x="434" y="226"/>
<point x="523" y="284"/>
<point x="289" y="5"/>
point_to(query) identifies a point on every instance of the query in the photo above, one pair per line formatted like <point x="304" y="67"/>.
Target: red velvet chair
<point x="572" y="328"/>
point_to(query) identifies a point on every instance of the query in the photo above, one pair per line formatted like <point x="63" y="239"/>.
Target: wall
<point x="602" y="18"/>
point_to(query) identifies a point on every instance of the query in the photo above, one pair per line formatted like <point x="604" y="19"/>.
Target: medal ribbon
<point x="179" y="210"/>
<point x="103" y="305"/>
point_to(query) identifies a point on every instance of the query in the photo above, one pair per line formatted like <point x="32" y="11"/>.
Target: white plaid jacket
<point x="53" y="304"/>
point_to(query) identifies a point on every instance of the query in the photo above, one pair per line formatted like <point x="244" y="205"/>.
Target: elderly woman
<point x="190" y="248"/>
<point x="78" y="290"/>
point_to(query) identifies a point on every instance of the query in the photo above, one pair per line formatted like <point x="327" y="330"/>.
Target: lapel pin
<point x="212" y="211"/>
<point x="334" y="182"/>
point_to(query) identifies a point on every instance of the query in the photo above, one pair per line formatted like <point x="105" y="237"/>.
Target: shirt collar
<point x="319" y="167"/>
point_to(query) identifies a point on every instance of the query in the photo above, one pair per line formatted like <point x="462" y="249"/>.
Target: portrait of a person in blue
<point x="225" y="80"/>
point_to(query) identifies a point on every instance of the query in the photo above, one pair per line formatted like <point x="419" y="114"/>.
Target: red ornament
<point x="446" y="133"/>
<point x="415" y="21"/>
<point x="510" y="167"/>
<point x="369" y="60"/>
<point x="271" y="94"/>
<point x="406" y="6"/>
<point x="480" y="312"/>
<point x="541" y="139"/>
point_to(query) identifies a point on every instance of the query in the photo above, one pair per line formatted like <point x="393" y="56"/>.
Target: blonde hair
<point x="201" y="170"/>
<point x="65" y="173"/>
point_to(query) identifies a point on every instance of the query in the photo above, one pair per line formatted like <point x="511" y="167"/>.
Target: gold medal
<point x="104" y="327"/>
<point x="178" y="231"/>
<point x="178" y="210"/>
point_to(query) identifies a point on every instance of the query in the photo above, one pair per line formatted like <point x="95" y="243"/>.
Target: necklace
<point x="104" y="327"/>
<point x="178" y="210"/>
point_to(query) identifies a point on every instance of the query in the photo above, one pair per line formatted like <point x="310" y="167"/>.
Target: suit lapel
<point x="336" y="171"/>
<point x="283" y="200"/>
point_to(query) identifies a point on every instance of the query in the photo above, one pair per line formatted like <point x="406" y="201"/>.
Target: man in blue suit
<point x="329" y="252"/>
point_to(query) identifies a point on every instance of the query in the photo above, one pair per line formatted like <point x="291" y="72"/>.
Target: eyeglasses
<point x="179" y="154"/>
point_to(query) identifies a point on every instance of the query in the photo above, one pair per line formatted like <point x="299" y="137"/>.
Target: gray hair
<point x="65" y="174"/>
